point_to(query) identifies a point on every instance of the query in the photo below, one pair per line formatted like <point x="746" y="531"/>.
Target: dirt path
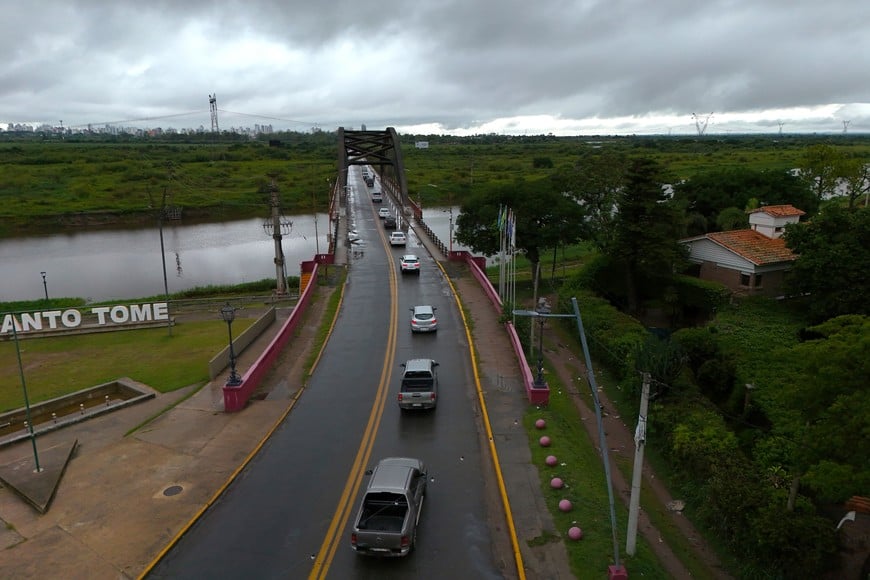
<point x="619" y="431"/>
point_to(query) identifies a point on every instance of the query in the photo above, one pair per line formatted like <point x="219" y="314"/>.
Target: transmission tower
<point x="212" y="105"/>
<point x="846" y="126"/>
<point x="701" y="127"/>
<point x="780" y="128"/>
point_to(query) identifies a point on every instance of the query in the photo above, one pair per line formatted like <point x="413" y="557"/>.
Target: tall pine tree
<point x="646" y="230"/>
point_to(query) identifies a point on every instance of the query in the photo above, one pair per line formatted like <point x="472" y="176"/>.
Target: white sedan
<point x="384" y="212"/>
<point x="397" y="239"/>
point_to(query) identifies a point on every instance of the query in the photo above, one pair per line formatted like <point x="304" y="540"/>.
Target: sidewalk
<point x="123" y="497"/>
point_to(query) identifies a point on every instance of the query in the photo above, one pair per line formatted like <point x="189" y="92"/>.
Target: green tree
<point x="594" y="182"/>
<point x="545" y="218"/>
<point x="820" y="169"/>
<point x="712" y="193"/>
<point x="828" y="410"/>
<point x="732" y="218"/>
<point x="833" y="261"/>
<point x="646" y="229"/>
<point x="856" y="180"/>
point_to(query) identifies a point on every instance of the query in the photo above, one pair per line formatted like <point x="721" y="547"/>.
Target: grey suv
<point x="419" y="389"/>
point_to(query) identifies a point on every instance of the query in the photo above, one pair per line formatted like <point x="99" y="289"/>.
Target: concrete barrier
<point x="237" y="396"/>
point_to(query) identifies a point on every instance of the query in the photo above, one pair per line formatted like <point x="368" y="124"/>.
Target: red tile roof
<point x="754" y="246"/>
<point x="779" y="210"/>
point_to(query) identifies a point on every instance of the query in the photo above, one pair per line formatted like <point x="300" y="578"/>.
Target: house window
<point x="745" y="279"/>
<point x="758" y="280"/>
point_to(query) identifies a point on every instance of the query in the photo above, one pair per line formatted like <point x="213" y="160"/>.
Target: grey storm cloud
<point x="440" y="66"/>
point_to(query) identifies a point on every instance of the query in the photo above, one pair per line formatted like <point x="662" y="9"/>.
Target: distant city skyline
<point x="805" y="121"/>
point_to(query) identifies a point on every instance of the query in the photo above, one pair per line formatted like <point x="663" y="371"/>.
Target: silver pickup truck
<point x="386" y="523"/>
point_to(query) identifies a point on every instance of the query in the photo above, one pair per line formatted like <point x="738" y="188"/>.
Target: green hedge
<point x="700" y="297"/>
<point x="613" y="337"/>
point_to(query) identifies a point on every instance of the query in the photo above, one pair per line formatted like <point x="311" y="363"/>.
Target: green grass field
<point x="46" y="186"/>
<point x="55" y="366"/>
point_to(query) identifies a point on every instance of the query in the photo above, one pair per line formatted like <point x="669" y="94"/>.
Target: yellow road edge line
<point x="351" y="488"/>
<point x="222" y="488"/>
<point x="234" y="474"/>
<point x="515" y="543"/>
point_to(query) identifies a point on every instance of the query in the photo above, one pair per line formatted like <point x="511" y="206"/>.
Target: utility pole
<point x="276" y="226"/>
<point x="637" y="472"/>
<point x="161" y="216"/>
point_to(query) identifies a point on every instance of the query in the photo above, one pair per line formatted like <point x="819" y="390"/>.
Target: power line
<point x="258" y="116"/>
<point x="157" y="118"/>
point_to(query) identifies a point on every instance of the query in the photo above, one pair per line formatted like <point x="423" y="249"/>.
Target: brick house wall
<point x="771" y="282"/>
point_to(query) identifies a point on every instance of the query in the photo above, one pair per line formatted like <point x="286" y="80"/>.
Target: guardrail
<point x="442" y="247"/>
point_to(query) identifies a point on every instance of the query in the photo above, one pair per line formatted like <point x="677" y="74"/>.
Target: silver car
<point x="423" y="319"/>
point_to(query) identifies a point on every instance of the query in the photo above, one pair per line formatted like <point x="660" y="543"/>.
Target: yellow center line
<point x="351" y="487"/>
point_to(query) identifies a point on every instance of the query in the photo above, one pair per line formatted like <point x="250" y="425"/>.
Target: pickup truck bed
<point x="386" y="524"/>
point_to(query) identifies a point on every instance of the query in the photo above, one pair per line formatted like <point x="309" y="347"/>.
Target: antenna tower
<point x="701" y="127"/>
<point x="212" y="105"/>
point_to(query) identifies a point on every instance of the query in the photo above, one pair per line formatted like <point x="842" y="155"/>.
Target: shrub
<point x="700" y="298"/>
<point x="698" y="346"/>
<point x="613" y="336"/>
<point x="716" y="378"/>
<point x="795" y="544"/>
<point x="699" y="441"/>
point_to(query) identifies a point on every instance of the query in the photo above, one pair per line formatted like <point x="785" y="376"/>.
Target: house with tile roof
<point x="750" y="261"/>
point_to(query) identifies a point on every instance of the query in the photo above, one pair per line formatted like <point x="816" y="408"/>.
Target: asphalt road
<point x="289" y="513"/>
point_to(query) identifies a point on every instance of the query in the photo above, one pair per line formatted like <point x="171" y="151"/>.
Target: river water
<point x="126" y="264"/>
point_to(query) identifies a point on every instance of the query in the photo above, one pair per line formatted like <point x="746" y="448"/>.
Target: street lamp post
<point x="44" y="286"/>
<point x="26" y="398"/>
<point x="228" y="313"/>
<point x="617" y="570"/>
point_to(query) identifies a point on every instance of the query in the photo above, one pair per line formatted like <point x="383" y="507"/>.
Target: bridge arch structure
<point x="379" y="149"/>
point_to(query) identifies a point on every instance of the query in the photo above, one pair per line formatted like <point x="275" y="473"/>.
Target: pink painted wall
<point x="235" y="398"/>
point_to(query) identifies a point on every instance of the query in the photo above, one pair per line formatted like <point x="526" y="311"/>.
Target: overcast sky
<point x="441" y="66"/>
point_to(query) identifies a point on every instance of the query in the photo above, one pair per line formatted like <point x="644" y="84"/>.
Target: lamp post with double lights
<point x="449" y="210"/>
<point x="617" y="570"/>
<point x="541" y="312"/>
<point x="228" y="313"/>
